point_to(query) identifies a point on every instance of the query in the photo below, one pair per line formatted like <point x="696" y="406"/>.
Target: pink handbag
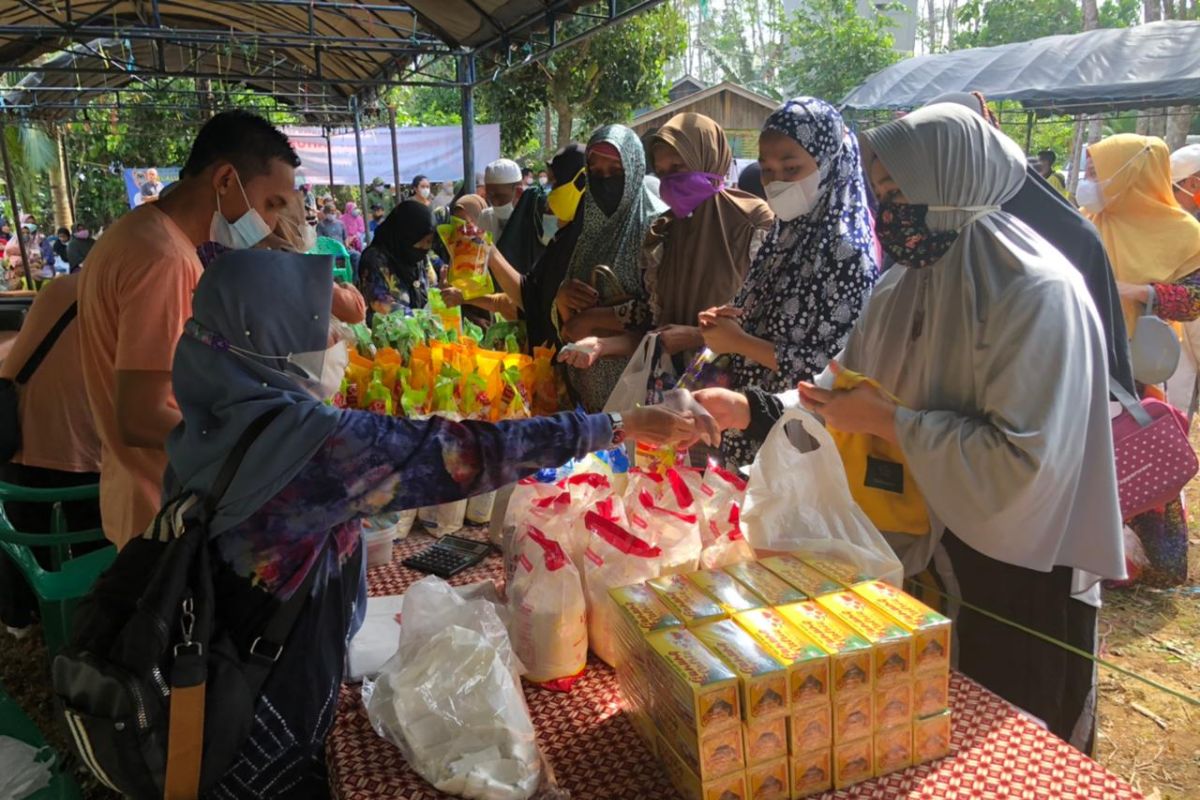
<point x="1155" y="460"/>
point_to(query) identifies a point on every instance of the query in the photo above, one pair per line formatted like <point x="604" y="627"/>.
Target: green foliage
<point x="835" y="48"/>
<point x="1120" y="13"/>
<point x="605" y="78"/>
<point x="985" y="24"/>
<point x="744" y="43"/>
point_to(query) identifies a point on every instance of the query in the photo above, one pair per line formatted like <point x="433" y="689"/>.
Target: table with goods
<point x="627" y="642"/>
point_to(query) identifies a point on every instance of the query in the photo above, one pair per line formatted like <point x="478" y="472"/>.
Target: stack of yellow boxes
<point x="782" y="678"/>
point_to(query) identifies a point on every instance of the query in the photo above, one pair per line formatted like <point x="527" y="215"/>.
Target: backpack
<point x="157" y="697"/>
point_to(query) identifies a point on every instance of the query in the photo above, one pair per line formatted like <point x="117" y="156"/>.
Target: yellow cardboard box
<point x="930" y="630"/>
<point x="931" y="693"/>
<point x="686" y="601"/>
<point x="850" y="655"/>
<point x="710" y="756"/>
<point x="894" y="706"/>
<point x="809" y="580"/>
<point x="768" y="781"/>
<point x="639" y="607"/>
<point x="852" y="762"/>
<point x="812" y="728"/>
<point x="807" y="664"/>
<point x="839" y="569"/>
<point x="766" y="584"/>
<point x="853" y="717"/>
<point x="730" y="595"/>
<point x="692" y="681"/>
<point x="811" y="772"/>
<point x="762" y="680"/>
<point x="893" y="645"/>
<point x="765" y="740"/>
<point x="893" y="750"/>
<point x="727" y="787"/>
<point x="931" y="738"/>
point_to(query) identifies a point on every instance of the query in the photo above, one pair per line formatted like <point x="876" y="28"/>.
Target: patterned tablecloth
<point x="997" y="752"/>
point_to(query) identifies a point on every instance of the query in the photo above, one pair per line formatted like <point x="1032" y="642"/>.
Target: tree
<point x="605" y="78"/>
<point x="985" y="24"/>
<point x="834" y="48"/>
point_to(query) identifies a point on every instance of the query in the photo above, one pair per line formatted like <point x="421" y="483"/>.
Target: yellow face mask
<point x="563" y="200"/>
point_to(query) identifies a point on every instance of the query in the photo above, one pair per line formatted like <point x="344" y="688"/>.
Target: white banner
<point x="435" y="153"/>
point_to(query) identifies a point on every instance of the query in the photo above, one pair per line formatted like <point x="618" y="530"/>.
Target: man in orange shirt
<point x="136" y="295"/>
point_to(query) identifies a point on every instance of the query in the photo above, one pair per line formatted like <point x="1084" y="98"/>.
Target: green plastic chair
<point x="68" y="579"/>
<point x="15" y="723"/>
<point x="341" y="257"/>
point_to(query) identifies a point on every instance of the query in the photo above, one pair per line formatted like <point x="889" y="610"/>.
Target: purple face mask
<point x="685" y="191"/>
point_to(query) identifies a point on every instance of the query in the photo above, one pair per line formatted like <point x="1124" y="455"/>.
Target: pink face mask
<point x="685" y="191"/>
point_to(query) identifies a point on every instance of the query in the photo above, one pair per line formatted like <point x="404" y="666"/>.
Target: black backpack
<point x="156" y="697"/>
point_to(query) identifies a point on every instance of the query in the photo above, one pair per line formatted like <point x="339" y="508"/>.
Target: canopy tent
<point x="1146" y="66"/>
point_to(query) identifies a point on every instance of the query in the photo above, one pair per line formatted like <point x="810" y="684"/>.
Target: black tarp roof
<point x="1146" y="66"/>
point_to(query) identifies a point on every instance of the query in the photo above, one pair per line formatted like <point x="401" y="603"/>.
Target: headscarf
<point x="750" y="180"/>
<point x="1149" y="238"/>
<point x="391" y="260"/>
<point x="615" y="241"/>
<point x="1043" y="208"/>
<point x="220" y="393"/>
<point x="355" y="226"/>
<point x="567" y="162"/>
<point x="521" y="242"/>
<point x="706" y="254"/>
<point x="830" y="248"/>
<point x="997" y="356"/>
<point x="472" y="203"/>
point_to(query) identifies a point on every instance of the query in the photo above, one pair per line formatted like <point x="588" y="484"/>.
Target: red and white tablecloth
<point x="998" y="753"/>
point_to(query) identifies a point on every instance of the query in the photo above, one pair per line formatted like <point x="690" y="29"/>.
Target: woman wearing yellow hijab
<point x="1127" y="194"/>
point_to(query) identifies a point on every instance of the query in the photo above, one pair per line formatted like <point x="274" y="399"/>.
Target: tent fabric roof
<point x="1145" y="66"/>
<point x="331" y="49"/>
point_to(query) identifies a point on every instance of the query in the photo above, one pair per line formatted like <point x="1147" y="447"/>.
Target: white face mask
<point x="503" y="212"/>
<point x="333" y="370"/>
<point x="243" y="233"/>
<point x="543" y="180"/>
<point x="549" y="227"/>
<point x="792" y="199"/>
<point x="423" y="191"/>
<point x="1090" y="195"/>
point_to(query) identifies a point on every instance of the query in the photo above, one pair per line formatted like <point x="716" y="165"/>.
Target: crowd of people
<point x="927" y="254"/>
<point x="50" y="254"/>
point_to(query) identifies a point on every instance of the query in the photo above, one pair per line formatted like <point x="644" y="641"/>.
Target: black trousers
<point x="18" y="606"/>
<point x="1047" y="681"/>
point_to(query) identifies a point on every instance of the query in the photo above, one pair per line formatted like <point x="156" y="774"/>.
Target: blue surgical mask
<point x="549" y="227"/>
<point x="243" y="233"/>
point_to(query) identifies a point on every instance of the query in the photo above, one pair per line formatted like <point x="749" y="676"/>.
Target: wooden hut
<point x="739" y="111"/>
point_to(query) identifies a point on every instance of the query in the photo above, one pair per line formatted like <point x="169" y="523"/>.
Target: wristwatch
<point x="618" y="428"/>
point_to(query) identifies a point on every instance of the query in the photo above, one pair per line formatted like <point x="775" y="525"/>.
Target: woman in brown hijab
<point x="696" y="256"/>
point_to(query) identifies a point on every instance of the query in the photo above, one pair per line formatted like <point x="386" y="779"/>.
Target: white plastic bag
<point x="587" y="491"/>
<point x="721" y="490"/>
<point x="614" y="557"/>
<point x="630" y="390"/>
<point x="550" y="514"/>
<point x="451" y="701"/>
<point x="443" y="519"/>
<point x="671" y="524"/>
<point x="22" y="772"/>
<point x="801" y="502"/>
<point x="479" y="508"/>
<point x="725" y="544"/>
<point x="548" y="622"/>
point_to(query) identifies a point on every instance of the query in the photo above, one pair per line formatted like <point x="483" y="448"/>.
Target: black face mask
<point x="417" y="253"/>
<point x="607" y="192"/>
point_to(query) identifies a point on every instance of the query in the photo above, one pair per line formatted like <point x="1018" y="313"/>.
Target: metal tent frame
<point x="327" y="59"/>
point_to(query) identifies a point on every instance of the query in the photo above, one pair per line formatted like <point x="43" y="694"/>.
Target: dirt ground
<point x="1146" y="736"/>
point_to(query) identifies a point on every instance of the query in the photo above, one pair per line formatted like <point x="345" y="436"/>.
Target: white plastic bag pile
<point x="451" y="698"/>
<point x="548" y="615"/>
<point x="23" y="769"/>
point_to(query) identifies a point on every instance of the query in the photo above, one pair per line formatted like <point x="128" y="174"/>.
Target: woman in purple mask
<point x="695" y="256"/>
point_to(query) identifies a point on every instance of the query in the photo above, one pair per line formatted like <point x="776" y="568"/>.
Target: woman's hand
<point x="678" y="338"/>
<point x="722" y="334"/>
<point x="1137" y="292"/>
<point x="730" y="409"/>
<point x="451" y="296"/>
<point x="656" y="425"/>
<point x="574" y="296"/>
<point x="863" y="409"/>
<point x="583" y="353"/>
<point x="580" y="326"/>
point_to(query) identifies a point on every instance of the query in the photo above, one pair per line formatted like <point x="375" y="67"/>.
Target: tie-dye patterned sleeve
<point x="1179" y="302"/>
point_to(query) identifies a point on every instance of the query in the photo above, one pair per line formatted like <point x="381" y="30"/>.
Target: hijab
<point x="1043" y="208"/>
<point x="521" y="241"/>
<point x="220" y="393"/>
<point x="706" y="254"/>
<point x="1150" y="239"/>
<point x="1006" y="425"/>
<point x="392" y="252"/>
<point x="355" y="225"/>
<point x="472" y="203"/>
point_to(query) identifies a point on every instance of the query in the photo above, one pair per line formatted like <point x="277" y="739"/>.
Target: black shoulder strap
<point x="234" y="460"/>
<point x="39" y="352"/>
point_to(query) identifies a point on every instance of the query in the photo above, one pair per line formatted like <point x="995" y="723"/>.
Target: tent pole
<point x="1076" y="156"/>
<point x="1028" y="131"/>
<point x="16" y="211"/>
<point x="362" y="182"/>
<point x="466" y="77"/>
<point x="329" y="156"/>
<point x="395" y="154"/>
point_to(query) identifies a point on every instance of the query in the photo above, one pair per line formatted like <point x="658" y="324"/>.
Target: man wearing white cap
<point x="1185" y="175"/>
<point x="501" y="178"/>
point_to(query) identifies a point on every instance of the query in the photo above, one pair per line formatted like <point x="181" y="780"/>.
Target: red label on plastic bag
<point x="607" y="508"/>
<point x="526" y="563"/>
<point x="593" y="479"/>
<point x="557" y="502"/>
<point x="636" y="520"/>
<point x="683" y="495"/>
<point x="555" y="557"/>
<point x="647" y="501"/>
<point x="727" y="476"/>
<point x="644" y="473"/>
<point x="595" y="559"/>
<point x="618" y="537"/>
